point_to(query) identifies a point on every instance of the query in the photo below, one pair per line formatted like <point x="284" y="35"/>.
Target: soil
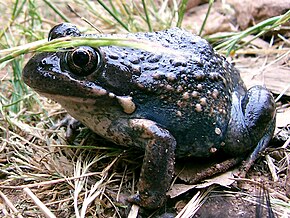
<point x="241" y="199"/>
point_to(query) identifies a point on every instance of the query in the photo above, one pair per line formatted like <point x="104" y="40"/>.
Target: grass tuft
<point x="84" y="178"/>
<point x="234" y="41"/>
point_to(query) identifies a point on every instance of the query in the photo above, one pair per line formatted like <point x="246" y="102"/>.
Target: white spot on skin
<point x="203" y="101"/>
<point x="179" y="89"/>
<point x="194" y="94"/>
<point x="170" y="77"/>
<point x="141" y="86"/>
<point x="198" y="108"/>
<point x="217" y="131"/>
<point x="112" y="95"/>
<point x="218" y="166"/>
<point x="99" y="91"/>
<point x="156" y="75"/>
<point x="127" y="104"/>
<point x="199" y="86"/>
<point x="215" y="93"/>
<point x="169" y="88"/>
<point x="185" y="96"/>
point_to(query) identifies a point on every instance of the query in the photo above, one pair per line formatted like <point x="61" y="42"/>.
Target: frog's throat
<point x="126" y="102"/>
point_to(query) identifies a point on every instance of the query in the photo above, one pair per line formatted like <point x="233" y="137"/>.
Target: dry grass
<point x="40" y="173"/>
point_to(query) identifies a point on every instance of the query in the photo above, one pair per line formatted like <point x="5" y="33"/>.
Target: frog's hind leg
<point x="252" y="124"/>
<point x="260" y="118"/>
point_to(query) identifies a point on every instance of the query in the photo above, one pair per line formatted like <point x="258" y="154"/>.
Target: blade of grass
<point x="195" y="203"/>
<point x="128" y="12"/>
<point x="210" y="4"/>
<point x="123" y="8"/>
<point x="69" y="42"/>
<point x="181" y="12"/>
<point x="140" y="15"/>
<point x="19" y="89"/>
<point x="259" y="29"/>
<point x="114" y="10"/>
<point x="159" y="15"/>
<point x="14" y="15"/>
<point x="147" y="16"/>
<point x="39" y="204"/>
<point x="174" y="12"/>
<point x="93" y="12"/>
<point x="153" y="6"/>
<point x="56" y="10"/>
<point x="113" y="14"/>
<point x="33" y="13"/>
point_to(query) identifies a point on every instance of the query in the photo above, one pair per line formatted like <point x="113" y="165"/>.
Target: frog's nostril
<point x="43" y="62"/>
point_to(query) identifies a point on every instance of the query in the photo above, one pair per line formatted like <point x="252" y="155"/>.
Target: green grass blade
<point x="114" y="10"/>
<point x="69" y="42"/>
<point x="57" y="11"/>
<point x="113" y="15"/>
<point x="147" y="16"/>
<point x="210" y="4"/>
<point x="181" y="12"/>
<point x="258" y="29"/>
<point x="15" y="14"/>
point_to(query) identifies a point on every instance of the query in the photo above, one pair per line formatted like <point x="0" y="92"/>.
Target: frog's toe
<point x="71" y="125"/>
<point x="134" y="199"/>
<point x="148" y="201"/>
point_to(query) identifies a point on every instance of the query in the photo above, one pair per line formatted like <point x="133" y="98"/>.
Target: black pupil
<point x="81" y="58"/>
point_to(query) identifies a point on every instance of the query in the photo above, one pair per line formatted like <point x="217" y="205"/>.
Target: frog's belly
<point x="200" y="138"/>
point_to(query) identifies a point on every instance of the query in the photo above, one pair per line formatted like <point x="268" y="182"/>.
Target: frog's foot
<point x="148" y="200"/>
<point x="263" y="143"/>
<point x="260" y="118"/>
<point x="71" y="125"/>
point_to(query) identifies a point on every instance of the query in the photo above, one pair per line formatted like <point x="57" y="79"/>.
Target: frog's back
<point x="187" y="91"/>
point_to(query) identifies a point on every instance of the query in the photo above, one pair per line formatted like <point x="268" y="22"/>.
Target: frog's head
<point x="77" y="74"/>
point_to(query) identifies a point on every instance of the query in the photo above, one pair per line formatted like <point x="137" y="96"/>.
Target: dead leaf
<point x="283" y="119"/>
<point x="264" y="71"/>
<point x="257" y="42"/>
<point x="225" y="179"/>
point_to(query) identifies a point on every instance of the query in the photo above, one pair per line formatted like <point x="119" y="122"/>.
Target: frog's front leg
<point x="158" y="163"/>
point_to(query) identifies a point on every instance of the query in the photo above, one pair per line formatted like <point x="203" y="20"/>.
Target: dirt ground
<point x="239" y="199"/>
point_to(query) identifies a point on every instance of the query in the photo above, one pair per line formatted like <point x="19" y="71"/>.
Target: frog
<point x="189" y="103"/>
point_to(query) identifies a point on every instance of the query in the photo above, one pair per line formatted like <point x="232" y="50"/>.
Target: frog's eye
<point x="83" y="60"/>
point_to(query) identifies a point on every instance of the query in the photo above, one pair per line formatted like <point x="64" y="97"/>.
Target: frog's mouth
<point x="45" y="74"/>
